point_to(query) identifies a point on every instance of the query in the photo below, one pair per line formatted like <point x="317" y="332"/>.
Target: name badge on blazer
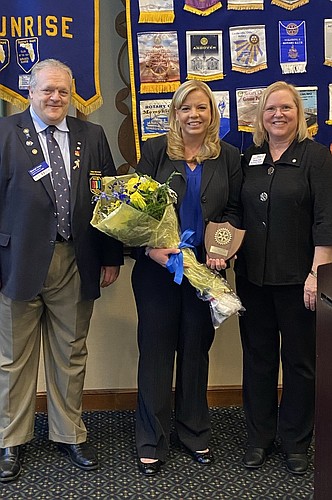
<point x="257" y="159"/>
<point x="40" y="171"/>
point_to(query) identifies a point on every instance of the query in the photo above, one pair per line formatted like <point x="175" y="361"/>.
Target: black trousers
<point x="276" y="323"/>
<point x="171" y="320"/>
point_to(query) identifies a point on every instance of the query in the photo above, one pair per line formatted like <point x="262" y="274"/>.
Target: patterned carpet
<point x="47" y="474"/>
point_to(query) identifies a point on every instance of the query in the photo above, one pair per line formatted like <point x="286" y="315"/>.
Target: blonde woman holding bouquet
<point x="172" y="320"/>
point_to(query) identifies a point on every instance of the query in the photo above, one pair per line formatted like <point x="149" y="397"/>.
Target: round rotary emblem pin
<point x="223" y="236"/>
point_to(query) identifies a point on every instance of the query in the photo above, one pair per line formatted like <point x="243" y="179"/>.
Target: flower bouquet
<point x="138" y="211"/>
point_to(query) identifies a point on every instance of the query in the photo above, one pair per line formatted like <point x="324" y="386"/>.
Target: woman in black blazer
<point x="287" y="212"/>
<point x="171" y="318"/>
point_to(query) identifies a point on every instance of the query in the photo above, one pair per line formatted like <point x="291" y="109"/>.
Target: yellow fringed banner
<point x="313" y="129"/>
<point x="245" y="5"/>
<point x="159" y="87"/>
<point x="159" y="61"/>
<point x="289" y="4"/>
<point x="202" y="7"/>
<point x="248" y="48"/>
<point x="207" y="78"/>
<point x="74" y="40"/>
<point x="13" y="98"/>
<point x="204" y="55"/>
<point x="248" y="70"/>
<point x="157" y="17"/>
<point x="328" y="42"/>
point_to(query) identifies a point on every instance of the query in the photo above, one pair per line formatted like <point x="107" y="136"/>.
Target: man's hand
<point x="109" y="274"/>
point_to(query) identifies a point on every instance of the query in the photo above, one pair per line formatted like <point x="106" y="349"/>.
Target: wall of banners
<point x="32" y="31"/>
<point x="238" y="47"/>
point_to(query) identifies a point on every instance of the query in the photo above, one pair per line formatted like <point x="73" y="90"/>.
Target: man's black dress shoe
<point x="81" y="455"/>
<point x="10" y="467"/>
<point x="254" y="457"/>
<point x="151" y="468"/>
<point x="296" y="463"/>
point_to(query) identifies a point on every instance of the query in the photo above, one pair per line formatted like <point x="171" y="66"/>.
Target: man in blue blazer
<point x="48" y="281"/>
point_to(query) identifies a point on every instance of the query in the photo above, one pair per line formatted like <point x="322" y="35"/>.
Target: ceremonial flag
<point x="158" y="11"/>
<point x="245" y="5"/>
<point x="202" y="7"/>
<point x="31" y="31"/>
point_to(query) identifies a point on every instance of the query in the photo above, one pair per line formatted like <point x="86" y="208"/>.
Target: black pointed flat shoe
<point x="149" y="469"/>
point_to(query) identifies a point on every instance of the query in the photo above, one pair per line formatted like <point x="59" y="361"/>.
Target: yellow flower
<point x="137" y="200"/>
<point x="131" y="185"/>
<point x="148" y="185"/>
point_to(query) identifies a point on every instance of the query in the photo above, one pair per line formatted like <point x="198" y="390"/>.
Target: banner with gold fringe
<point x="329" y="121"/>
<point x="154" y="117"/>
<point x="158" y="61"/>
<point x="328" y="41"/>
<point x="156" y="11"/>
<point x="204" y="55"/>
<point x="246" y="103"/>
<point x="33" y="31"/>
<point x="245" y="5"/>
<point x="309" y="99"/>
<point x="248" y="48"/>
<point x="289" y="4"/>
<point x="202" y="7"/>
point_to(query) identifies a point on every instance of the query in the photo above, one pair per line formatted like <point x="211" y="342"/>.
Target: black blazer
<point x="28" y="210"/>
<point x="221" y="179"/>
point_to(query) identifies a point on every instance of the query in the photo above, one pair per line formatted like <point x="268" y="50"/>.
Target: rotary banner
<point x="33" y="31"/>
<point x="158" y="11"/>
<point x="202" y="7"/>
<point x="248" y="48"/>
<point x="245" y="5"/>
<point x="289" y="4"/>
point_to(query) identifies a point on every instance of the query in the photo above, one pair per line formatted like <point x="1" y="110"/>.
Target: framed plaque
<point x="222" y="240"/>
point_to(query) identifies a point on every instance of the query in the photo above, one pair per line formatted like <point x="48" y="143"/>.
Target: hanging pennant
<point x="328" y="41"/>
<point x="202" y="7"/>
<point x="245" y="5"/>
<point x="69" y="31"/>
<point x="158" y="11"/>
<point x="246" y="103"/>
<point x="289" y="4"/>
<point x="248" y="48"/>
<point x="158" y="61"/>
<point x="309" y="99"/>
<point x="222" y="99"/>
<point x="329" y="121"/>
<point x="154" y="117"/>
<point x="292" y="46"/>
<point x="204" y="55"/>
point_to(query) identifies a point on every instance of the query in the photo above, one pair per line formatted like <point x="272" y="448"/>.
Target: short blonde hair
<point x="260" y="134"/>
<point x="211" y="146"/>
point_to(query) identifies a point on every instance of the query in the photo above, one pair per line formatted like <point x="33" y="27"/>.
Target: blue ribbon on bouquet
<point x="175" y="261"/>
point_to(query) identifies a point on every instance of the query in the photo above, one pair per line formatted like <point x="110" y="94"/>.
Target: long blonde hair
<point x="260" y="134"/>
<point x="211" y="145"/>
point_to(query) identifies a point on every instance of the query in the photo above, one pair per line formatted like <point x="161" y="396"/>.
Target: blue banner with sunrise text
<point x="33" y="31"/>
